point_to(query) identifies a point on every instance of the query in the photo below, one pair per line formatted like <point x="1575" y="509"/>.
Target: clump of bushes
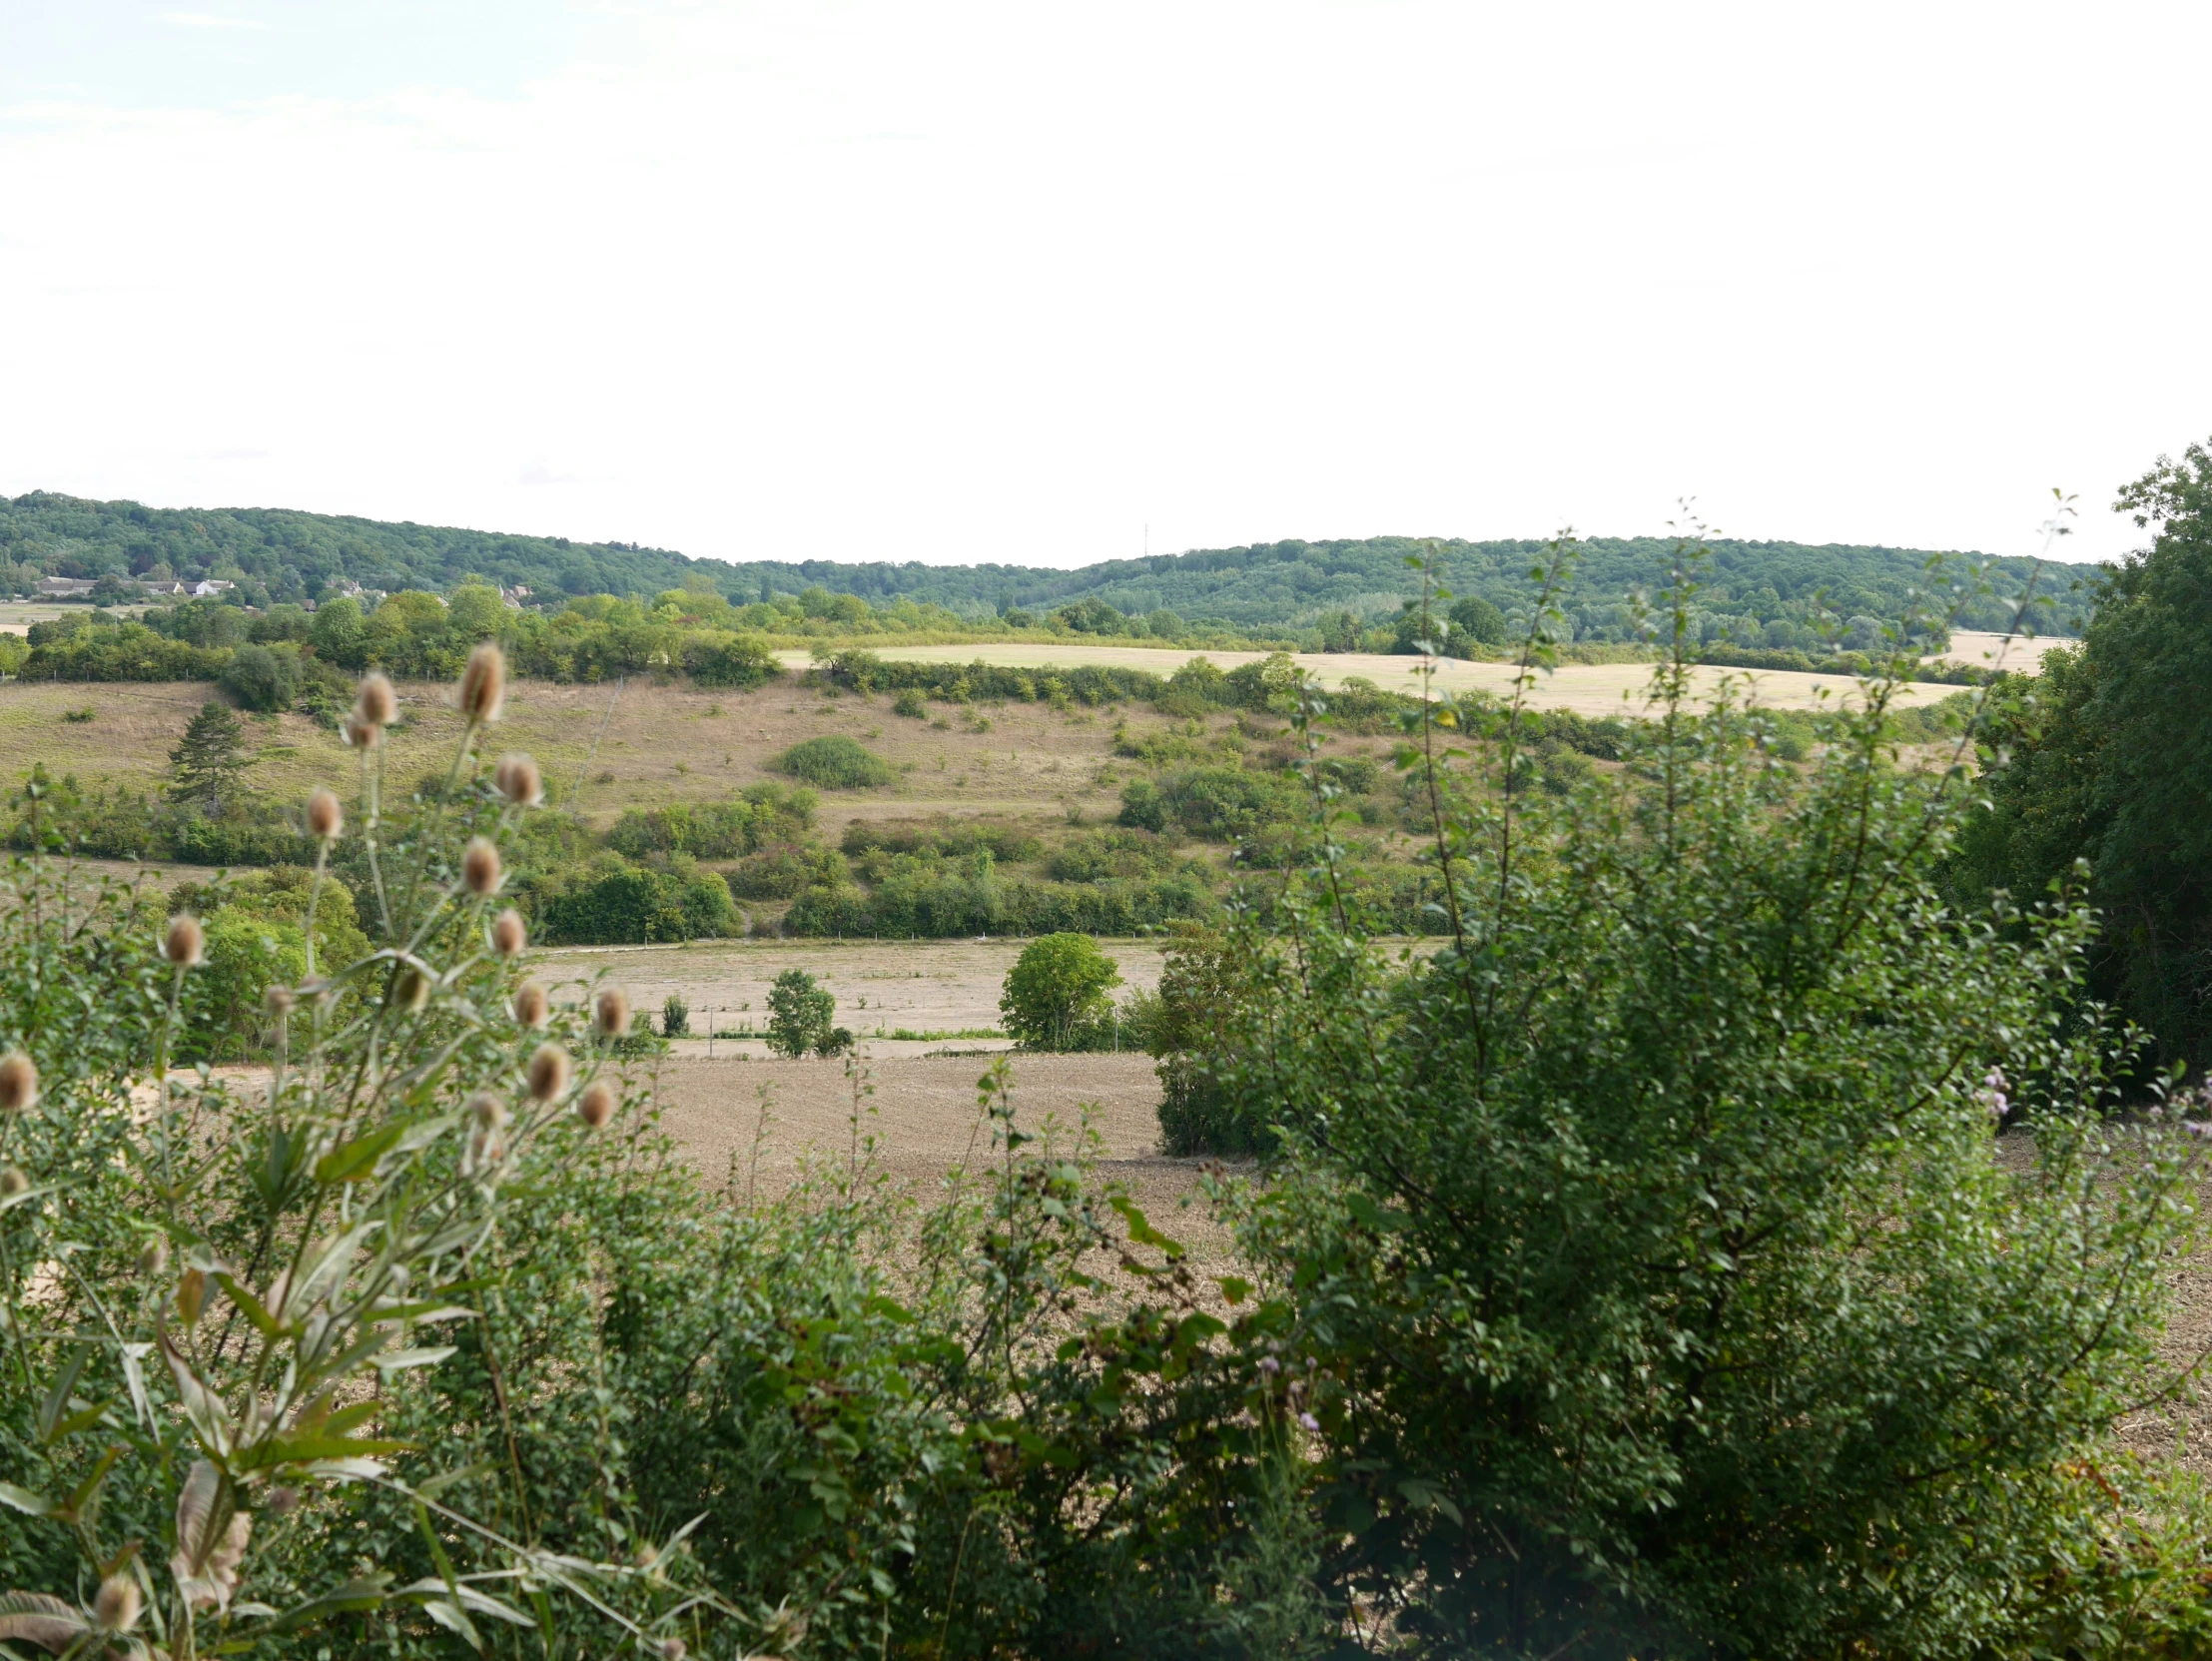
<point x="835" y="762"/>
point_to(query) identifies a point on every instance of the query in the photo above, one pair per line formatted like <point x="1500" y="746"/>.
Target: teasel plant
<point x="213" y="1285"/>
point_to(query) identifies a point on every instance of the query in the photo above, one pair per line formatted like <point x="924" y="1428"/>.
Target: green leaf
<point x="56" y="1401"/>
<point x="356" y="1161"/>
<point x="1369" y="1215"/>
<point x="25" y="1501"/>
<point x="361" y="1592"/>
<point x="400" y="1360"/>
<point x="1141" y="1231"/>
<point x="267" y="1324"/>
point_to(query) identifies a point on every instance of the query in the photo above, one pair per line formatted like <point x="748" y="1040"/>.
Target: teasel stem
<point x="371" y="792"/>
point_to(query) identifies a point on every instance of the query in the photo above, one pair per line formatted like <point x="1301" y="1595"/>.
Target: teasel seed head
<point x="153" y="1257"/>
<point x="18" y="1083"/>
<point x="531" y="1006"/>
<point x="192" y="1296"/>
<point x="487" y="1109"/>
<point x="671" y="1649"/>
<point x="361" y="734"/>
<point x="483" y="683"/>
<point x="518" y="780"/>
<point x="509" y="934"/>
<point x="479" y="867"/>
<point x="376" y="704"/>
<point x="325" y="817"/>
<point x="548" y="1070"/>
<point x="610" y="1011"/>
<point x="595" y="1106"/>
<point x="277" y="1001"/>
<point x="410" y="989"/>
<point x="185" y="941"/>
<point x="117" y="1605"/>
<point x="282" y="1501"/>
<point x="13" y="1182"/>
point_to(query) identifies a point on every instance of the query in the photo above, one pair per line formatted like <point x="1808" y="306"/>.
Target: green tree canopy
<point x="205" y="766"/>
<point x="2107" y="758"/>
<point x="1058" y="982"/>
<point x="802" y="1015"/>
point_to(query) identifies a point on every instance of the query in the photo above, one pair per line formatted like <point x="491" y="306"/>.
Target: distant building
<point x="211" y="587"/>
<point x="63" y="587"/>
<point x="177" y="589"/>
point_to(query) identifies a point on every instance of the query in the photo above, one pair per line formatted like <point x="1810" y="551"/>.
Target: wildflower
<point x="1992" y="1093"/>
<point x="375" y="703"/>
<point x="1269" y="1366"/>
<point x="518" y="781"/>
<point x="185" y="941"/>
<point x="18" y="1083"/>
<point x="610" y="1011"/>
<point x="325" y="818"/>
<point x="595" y="1106"/>
<point x="1306" y="1421"/>
<point x="483" y="683"/>
<point x="508" y="932"/>
<point x="117" y="1605"/>
<point x="530" y="1005"/>
<point x="479" y="867"/>
<point x="549" y="1072"/>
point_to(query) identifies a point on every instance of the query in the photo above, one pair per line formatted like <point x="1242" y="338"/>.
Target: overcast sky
<point x="926" y="278"/>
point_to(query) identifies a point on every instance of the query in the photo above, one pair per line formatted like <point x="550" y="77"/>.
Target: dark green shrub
<point x="1058" y="985"/>
<point x="802" y="1015"/>
<point x="1682" y="1303"/>
<point x="261" y="678"/>
<point x="909" y="703"/>
<point x="834" y="762"/>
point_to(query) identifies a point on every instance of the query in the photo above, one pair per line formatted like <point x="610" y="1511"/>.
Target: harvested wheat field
<point x="924" y="1113"/>
<point x="1585" y="688"/>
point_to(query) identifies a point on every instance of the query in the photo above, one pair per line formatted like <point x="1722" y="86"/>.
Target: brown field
<point x="924" y="1115"/>
<point x="922" y="986"/>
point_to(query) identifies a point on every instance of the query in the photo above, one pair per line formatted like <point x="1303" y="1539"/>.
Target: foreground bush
<point x="1677" y="1294"/>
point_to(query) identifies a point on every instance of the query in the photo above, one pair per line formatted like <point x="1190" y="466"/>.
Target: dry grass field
<point x="661" y="744"/>
<point x="1585" y="688"/>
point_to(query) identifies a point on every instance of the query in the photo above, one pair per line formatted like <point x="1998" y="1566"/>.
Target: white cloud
<point x="207" y="20"/>
<point x="1241" y="270"/>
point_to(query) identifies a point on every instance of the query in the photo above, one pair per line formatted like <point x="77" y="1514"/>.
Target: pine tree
<point x="205" y="766"/>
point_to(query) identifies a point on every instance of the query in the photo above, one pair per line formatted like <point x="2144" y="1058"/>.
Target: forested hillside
<point x="1772" y="590"/>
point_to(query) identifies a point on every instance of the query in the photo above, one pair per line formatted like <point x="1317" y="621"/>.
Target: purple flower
<point x="1306" y="1421"/>
<point x="1269" y="1366"/>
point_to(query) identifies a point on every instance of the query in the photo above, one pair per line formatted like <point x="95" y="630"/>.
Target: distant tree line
<point x="1786" y="597"/>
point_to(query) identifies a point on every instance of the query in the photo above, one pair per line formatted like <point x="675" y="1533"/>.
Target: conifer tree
<point x="205" y="766"/>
